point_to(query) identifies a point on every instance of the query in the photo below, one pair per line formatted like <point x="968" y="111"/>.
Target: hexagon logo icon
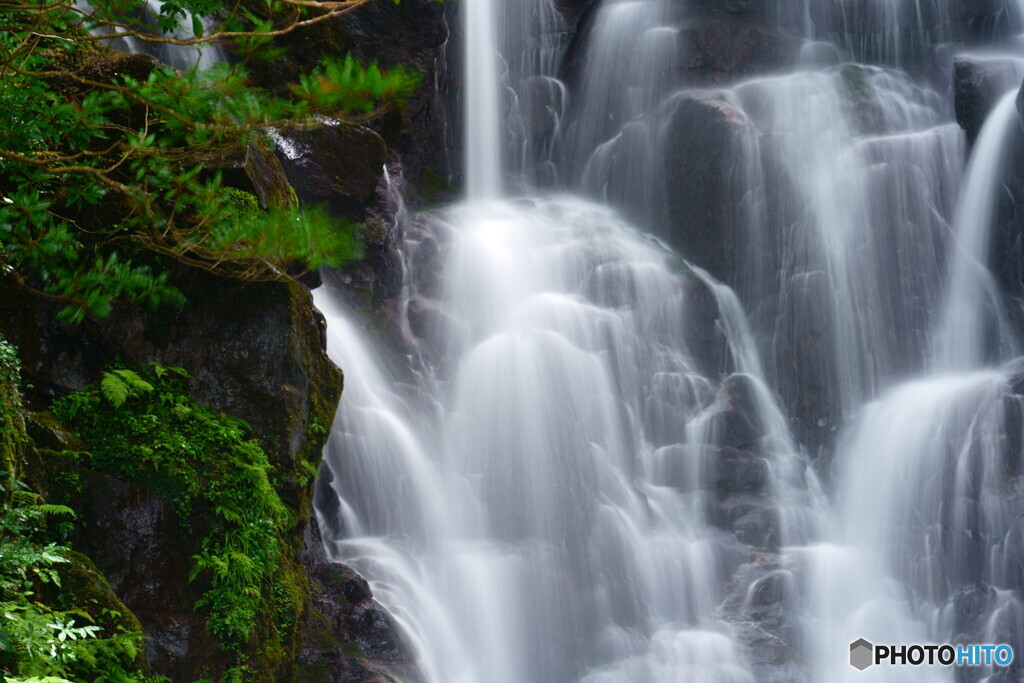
<point x="861" y="654"/>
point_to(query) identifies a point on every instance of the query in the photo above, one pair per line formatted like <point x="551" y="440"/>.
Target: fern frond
<point x="51" y="510"/>
<point x="134" y="382"/>
<point x="114" y="389"/>
<point x="21" y="498"/>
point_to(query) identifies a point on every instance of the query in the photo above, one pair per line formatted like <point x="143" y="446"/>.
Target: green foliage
<point x="245" y="204"/>
<point x="310" y="237"/>
<point x="12" y="425"/>
<point x="39" y="642"/>
<point x="96" y="145"/>
<point x="144" y="427"/>
<point x="116" y="386"/>
<point x="344" y="87"/>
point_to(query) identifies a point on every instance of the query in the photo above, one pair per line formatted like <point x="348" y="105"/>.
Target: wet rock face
<point x="734" y="7"/>
<point x="741" y="425"/>
<point x="735" y="471"/>
<point x="693" y="143"/>
<point x="977" y="86"/>
<point x="254" y="350"/>
<point x="717" y="41"/>
<point x="701" y="156"/>
<point x="975" y="21"/>
<point x="572" y="12"/>
<point x="343" y="166"/>
<point x="336" y="164"/>
<point x="979" y="616"/>
<point x="412" y="33"/>
<point x="753" y="519"/>
<point x="1007" y="250"/>
<point x="354" y="638"/>
<point x="807" y="380"/>
<point x="719" y="50"/>
<point x="137" y="544"/>
<point x="762" y="608"/>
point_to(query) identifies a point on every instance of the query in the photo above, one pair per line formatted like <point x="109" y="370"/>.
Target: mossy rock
<point x="12" y="424"/>
<point x="83" y="586"/>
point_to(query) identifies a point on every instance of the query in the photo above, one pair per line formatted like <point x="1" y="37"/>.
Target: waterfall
<point x="972" y="291"/>
<point x="616" y="449"/>
<point x="550" y="498"/>
<point x="483" y="138"/>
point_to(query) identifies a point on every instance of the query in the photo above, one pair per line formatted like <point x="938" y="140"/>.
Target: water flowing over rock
<point x="597" y="460"/>
<point x="978" y="84"/>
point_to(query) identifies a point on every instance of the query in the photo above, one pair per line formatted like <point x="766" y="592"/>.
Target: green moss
<point x="12" y="424"/>
<point x="325" y="383"/>
<point x="60" y="617"/>
<point x="244" y="203"/>
<point x="144" y="428"/>
<point x="353" y="650"/>
<point x="83" y="587"/>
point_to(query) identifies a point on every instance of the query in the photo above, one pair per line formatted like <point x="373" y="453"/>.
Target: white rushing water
<point x="483" y="136"/>
<point x="973" y="317"/>
<point x="592" y="465"/>
<point x="555" y="512"/>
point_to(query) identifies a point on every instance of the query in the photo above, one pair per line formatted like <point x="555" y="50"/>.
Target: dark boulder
<point x="676" y="173"/>
<point x="740" y="424"/>
<point x="804" y="344"/>
<point x="762" y="608"/>
<point x="753" y="519"/>
<point x="978" y="84"/>
<point x="1006" y="252"/>
<point x="702" y="159"/>
<point x="350" y="637"/>
<point x="716" y="50"/>
<point x="733" y="471"/>
<point x="337" y="164"/>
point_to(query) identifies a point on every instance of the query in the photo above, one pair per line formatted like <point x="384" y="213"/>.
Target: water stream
<point x="600" y="463"/>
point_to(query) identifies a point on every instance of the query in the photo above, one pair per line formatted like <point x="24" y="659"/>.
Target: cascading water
<point x="584" y="471"/>
<point x="972" y="291"/>
<point x="557" y="514"/>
